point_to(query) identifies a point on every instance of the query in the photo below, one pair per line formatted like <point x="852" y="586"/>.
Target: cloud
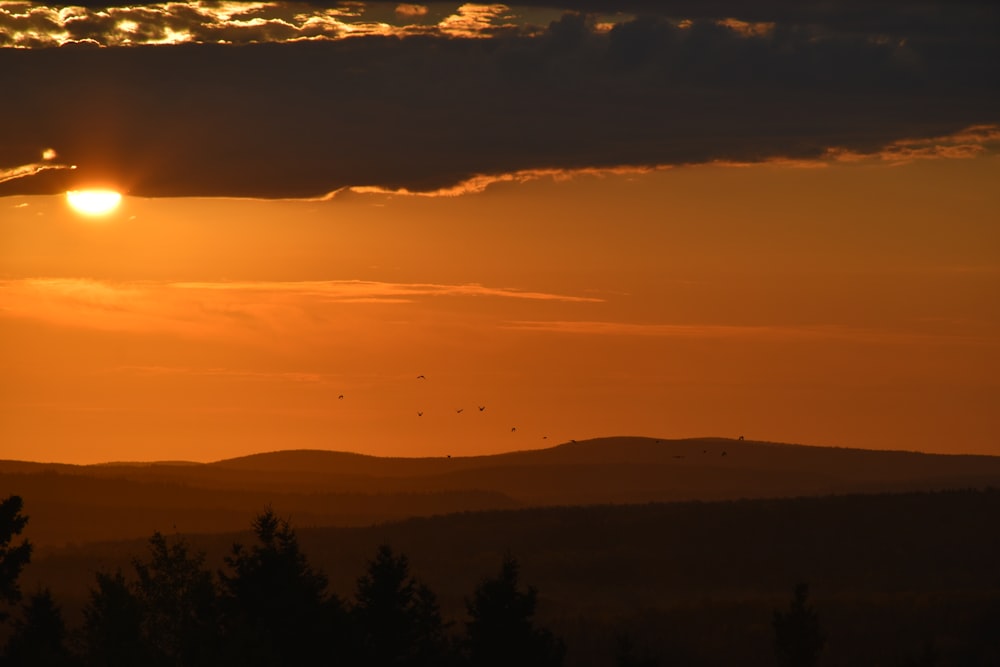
<point x="39" y="26"/>
<point x="774" y="333"/>
<point x="968" y="143"/>
<point x="226" y="373"/>
<point x="411" y="10"/>
<point x="479" y="183"/>
<point x="365" y="97"/>
<point x="472" y="20"/>
<point x="352" y="291"/>
<point x="245" y="310"/>
<point x="25" y="170"/>
<point x="274" y="312"/>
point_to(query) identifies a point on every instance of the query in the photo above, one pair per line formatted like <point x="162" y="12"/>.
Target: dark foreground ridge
<point x="893" y="579"/>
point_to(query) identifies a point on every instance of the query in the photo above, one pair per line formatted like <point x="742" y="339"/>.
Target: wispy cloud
<point x="967" y="143"/>
<point x="778" y="333"/>
<point x="242" y="309"/>
<point x="21" y="171"/>
<point x="481" y="182"/>
<point x="226" y="373"/>
<point x="353" y="291"/>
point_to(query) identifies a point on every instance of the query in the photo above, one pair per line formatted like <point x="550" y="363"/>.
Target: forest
<point x="881" y="579"/>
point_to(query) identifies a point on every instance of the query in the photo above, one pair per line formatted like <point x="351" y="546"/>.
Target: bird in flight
<point x="482" y="407"/>
<point x="513" y="428"/>
<point x="421" y="377"/>
<point x="341" y="397"/>
<point x="420" y="414"/>
<point x="460" y="410"/>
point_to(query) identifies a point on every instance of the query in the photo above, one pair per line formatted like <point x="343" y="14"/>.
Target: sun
<point x="93" y="202"/>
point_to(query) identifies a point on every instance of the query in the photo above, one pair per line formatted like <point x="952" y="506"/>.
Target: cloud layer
<point x="675" y="83"/>
<point x="33" y="25"/>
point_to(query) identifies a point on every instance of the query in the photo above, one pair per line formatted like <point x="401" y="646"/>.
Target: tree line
<point x="268" y="606"/>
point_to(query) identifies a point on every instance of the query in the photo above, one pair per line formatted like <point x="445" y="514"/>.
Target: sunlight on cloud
<point x="30" y="25"/>
<point x="967" y="143"/>
<point x="480" y="183"/>
<point x="411" y="10"/>
<point x="475" y="20"/>
<point x="748" y="29"/>
<point x="21" y="171"/>
<point x="964" y="144"/>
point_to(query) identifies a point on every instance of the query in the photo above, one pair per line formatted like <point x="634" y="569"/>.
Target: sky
<point x="456" y="229"/>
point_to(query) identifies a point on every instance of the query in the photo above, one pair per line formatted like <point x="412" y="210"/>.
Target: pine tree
<point x="177" y="600"/>
<point x="13" y="557"/>
<point x="396" y="618"/>
<point x="798" y="637"/>
<point x="502" y="631"/>
<point x="277" y="610"/>
<point x="39" y="638"/>
<point x="112" y="634"/>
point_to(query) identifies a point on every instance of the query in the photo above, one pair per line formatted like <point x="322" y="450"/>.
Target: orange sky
<point x="850" y="305"/>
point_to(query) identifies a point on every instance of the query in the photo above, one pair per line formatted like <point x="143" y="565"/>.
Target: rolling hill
<point x="78" y="504"/>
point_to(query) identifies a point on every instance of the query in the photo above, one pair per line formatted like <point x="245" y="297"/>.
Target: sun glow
<point x="93" y="202"/>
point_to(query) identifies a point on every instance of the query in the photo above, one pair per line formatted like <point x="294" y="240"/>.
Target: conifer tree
<point x="178" y="603"/>
<point x="396" y="618"/>
<point x="13" y="557"/>
<point x="39" y="638"/>
<point x="798" y="637"/>
<point x="502" y="630"/>
<point x="112" y="634"/>
<point x="277" y="610"/>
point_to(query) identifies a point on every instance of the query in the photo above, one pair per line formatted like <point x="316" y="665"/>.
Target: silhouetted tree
<point x="626" y="655"/>
<point x="396" y="618"/>
<point x="112" y="634"/>
<point x="798" y="637"/>
<point x="177" y="598"/>
<point x="13" y="557"/>
<point x="39" y="638"/>
<point x="501" y="631"/>
<point x="277" y="611"/>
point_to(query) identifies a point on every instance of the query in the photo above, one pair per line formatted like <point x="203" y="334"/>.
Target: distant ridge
<point x="123" y="500"/>
<point x="140" y="464"/>
<point x="595" y="450"/>
<point x="623" y="449"/>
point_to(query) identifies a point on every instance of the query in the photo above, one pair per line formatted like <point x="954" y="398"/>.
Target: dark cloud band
<point x="306" y="118"/>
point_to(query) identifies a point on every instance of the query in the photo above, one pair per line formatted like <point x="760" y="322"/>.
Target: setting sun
<point x="93" y="202"/>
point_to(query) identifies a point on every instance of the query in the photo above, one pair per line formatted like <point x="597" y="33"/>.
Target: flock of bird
<point x="482" y="408"/>
<point x="513" y="429"/>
